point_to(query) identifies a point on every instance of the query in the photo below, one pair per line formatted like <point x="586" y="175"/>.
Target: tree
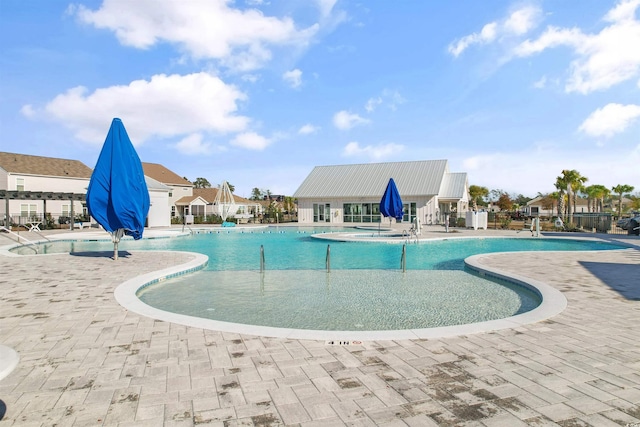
<point x="573" y="182"/>
<point x="635" y="201"/>
<point x="595" y="197"/>
<point x="256" y="194"/>
<point x="232" y="187"/>
<point x="504" y="202"/>
<point x="620" y="190"/>
<point x="477" y="193"/>
<point x="201" y="183"/>
<point x="561" y="185"/>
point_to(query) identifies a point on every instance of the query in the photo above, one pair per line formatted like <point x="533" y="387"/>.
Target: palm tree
<point x="476" y="192"/>
<point x="597" y="194"/>
<point x="574" y="182"/>
<point x="561" y="185"/>
<point x="620" y="190"/>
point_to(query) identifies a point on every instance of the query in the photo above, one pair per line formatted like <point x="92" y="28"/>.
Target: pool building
<point x="344" y="194"/>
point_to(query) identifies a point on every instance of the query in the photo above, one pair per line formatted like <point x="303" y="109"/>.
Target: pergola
<point x="41" y="196"/>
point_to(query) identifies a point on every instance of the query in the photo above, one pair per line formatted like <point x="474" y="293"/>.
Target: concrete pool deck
<point x="85" y="360"/>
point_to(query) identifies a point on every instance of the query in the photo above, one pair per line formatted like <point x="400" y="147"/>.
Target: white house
<point x="47" y="175"/>
<point x="57" y="188"/>
<point x="180" y="189"/>
<point x="345" y="194"/>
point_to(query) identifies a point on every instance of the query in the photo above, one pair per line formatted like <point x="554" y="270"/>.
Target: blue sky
<point x="259" y="92"/>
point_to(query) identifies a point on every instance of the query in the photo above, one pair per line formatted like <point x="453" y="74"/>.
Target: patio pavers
<point x="87" y="361"/>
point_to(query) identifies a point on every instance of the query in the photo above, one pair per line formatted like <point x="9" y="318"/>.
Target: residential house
<point x="45" y="176"/>
<point x="204" y="203"/>
<point x="537" y="207"/>
<point x="345" y="194"/>
<point x="180" y="192"/>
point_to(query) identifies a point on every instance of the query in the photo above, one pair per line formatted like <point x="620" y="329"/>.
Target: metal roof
<point x="417" y="178"/>
<point x="454" y="186"/>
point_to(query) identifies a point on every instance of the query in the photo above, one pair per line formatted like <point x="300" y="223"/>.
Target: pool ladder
<point x="327" y="261"/>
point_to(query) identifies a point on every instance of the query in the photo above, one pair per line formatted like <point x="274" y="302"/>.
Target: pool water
<point x="365" y="290"/>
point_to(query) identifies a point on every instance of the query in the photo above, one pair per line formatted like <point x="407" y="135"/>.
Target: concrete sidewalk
<point x="87" y="361"/>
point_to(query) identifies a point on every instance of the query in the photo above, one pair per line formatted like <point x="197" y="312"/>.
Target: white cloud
<point x="193" y="145"/>
<point x="326" y="6"/>
<point x="610" y="119"/>
<point x="517" y="23"/>
<point x="603" y="59"/>
<point x="293" y="78"/>
<point x="344" y="120"/>
<point x="251" y="141"/>
<point x="486" y="35"/>
<point x="165" y="106"/>
<point x="378" y="152"/>
<point x="540" y="84"/>
<point x="28" y="111"/>
<point x="372" y="103"/>
<point x="204" y="30"/>
<point x="308" y="129"/>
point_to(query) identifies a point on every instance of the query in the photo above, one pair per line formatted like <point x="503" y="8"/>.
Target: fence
<point x="50" y="221"/>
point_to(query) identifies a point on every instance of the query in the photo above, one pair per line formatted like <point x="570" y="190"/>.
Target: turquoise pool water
<point x="366" y="290"/>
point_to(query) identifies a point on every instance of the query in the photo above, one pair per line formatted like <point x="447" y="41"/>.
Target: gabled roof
<point x="416" y="178"/>
<point x="454" y="186"/>
<point x="163" y="175"/>
<point x="45" y="166"/>
<point x="209" y="194"/>
<point x="188" y="200"/>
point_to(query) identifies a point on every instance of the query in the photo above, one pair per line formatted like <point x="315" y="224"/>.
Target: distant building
<point x="180" y="192"/>
<point x="26" y="173"/>
<point x="346" y="194"/>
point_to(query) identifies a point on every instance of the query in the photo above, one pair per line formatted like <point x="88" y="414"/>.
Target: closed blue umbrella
<point x="391" y="203"/>
<point x="117" y="197"/>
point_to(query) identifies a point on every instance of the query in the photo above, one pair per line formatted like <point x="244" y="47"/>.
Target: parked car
<point x="633" y="226"/>
<point x="623" y="223"/>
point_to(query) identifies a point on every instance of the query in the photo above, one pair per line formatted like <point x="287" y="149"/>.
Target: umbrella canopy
<point x="117" y="196"/>
<point x="391" y="203"/>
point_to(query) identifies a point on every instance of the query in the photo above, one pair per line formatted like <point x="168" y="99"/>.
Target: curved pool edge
<point x="553" y="302"/>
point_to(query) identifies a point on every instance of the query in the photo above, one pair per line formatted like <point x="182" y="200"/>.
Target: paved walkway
<point x="87" y="361"/>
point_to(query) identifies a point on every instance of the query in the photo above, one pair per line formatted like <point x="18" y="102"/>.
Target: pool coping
<point x="553" y="303"/>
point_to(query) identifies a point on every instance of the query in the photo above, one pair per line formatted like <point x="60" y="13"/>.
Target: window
<point x="361" y="212"/>
<point x="65" y="210"/>
<point x="170" y="194"/>
<point x="19" y="184"/>
<point x="173" y="211"/>
<point x="27" y="210"/>
<point x="410" y="210"/>
<point x="321" y="212"/>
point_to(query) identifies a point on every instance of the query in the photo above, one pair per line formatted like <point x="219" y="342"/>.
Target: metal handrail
<point x="29" y="243"/>
<point x="403" y="260"/>
<point x="328" y="259"/>
<point x="261" y="258"/>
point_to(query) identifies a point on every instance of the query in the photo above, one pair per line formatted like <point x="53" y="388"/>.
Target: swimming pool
<point x="365" y="291"/>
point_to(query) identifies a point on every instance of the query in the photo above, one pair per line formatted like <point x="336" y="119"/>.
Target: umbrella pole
<point x="115" y="250"/>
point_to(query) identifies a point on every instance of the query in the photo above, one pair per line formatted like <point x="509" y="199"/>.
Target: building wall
<point x="159" y="213"/>
<point x="426" y="207"/>
<point x="45" y="184"/>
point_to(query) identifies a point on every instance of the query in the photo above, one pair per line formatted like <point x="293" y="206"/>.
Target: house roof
<point x="209" y="194"/>
<point x="417" y="178"/>
<point x="152" y="184"/>
<point x="454" y="186"/>
<point x="45" y="166"/>
<point x="163" y="175"/>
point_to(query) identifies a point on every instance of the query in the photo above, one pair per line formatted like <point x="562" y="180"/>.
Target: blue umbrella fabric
<point x="117" y="197"/>
<point x="391" y="203"/>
